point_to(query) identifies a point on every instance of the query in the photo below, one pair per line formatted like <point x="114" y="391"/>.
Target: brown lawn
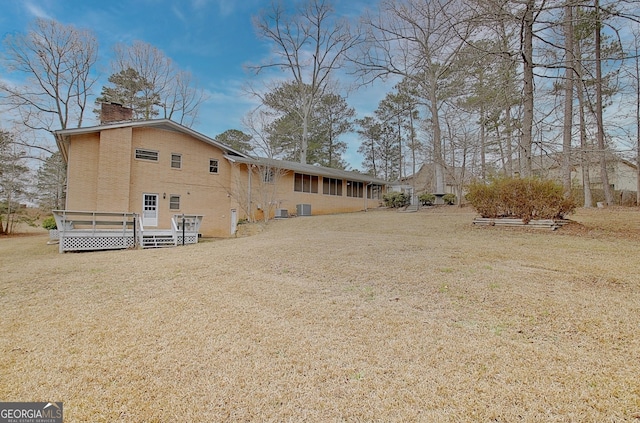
<point x="378" y="316"/>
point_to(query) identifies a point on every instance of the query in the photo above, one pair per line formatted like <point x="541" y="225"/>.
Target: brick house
<point x="159" y="169"/>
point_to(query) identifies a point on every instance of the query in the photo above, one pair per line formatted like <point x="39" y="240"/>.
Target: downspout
<point x="250" y="171"/>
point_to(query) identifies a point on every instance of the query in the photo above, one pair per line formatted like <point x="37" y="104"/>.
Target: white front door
<point x="150" y="210"/>
<point x="234" y="221"/>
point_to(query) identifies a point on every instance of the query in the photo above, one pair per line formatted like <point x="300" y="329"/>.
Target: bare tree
<point x="636" y="83"/>
<point x="170" y="91"/>
<point x="417" y="41"/>
<point x="568" y="97"/>
<point x="255" y="189"/>
<point x="256" y="123"/>
<point x="604" y="174"/>
<point x="584" y="144"/>
<point x="526" y="51"/>
<point x="309" y="45"/>
<point x="57" y="61"/>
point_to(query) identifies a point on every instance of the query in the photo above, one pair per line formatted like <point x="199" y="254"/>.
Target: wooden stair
<point x="157" y="240"/>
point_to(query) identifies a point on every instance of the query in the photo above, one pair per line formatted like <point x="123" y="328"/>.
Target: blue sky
<point x="212" y="39"/>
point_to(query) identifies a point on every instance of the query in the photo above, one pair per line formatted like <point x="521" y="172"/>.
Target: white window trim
<point x="171" y="197"/>
<point x="180" y="161"/>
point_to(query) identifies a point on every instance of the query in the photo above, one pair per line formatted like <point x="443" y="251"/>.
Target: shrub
<point x="427" y="199"/>
<point x="524" y="198"/>
<point x="396" y="199"/>
<point x="449" y="199"/>
<point x="49" y="223"/>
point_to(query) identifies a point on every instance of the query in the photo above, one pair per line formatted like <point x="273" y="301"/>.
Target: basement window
<point x="174" y="202"/>
<point x="144" y="154"/>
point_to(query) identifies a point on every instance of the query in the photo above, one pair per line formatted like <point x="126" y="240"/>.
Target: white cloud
<point x="179" y="14"/>
<point x="36" y="10"/>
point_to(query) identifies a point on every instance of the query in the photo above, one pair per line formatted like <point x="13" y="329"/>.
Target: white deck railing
<point x="92" y="230"/>
<point x="185" y="228"/>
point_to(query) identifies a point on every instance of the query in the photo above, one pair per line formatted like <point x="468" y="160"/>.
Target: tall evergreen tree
<point x="51" y="182"/>
<point x="131" y="90"/>
<point x="235" y="139"/>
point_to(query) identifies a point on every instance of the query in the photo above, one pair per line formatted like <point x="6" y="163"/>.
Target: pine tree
<point x="132" y="91"/>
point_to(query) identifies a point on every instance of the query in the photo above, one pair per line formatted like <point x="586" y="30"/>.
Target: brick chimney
<point x="114" y="112"/>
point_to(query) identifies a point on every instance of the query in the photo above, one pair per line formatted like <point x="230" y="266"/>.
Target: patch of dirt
<point x="249" y="229"/>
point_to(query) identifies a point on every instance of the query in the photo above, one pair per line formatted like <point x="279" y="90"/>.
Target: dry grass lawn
<point x="378" y="316"/>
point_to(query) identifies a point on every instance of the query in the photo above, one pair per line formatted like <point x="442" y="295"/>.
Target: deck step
<point x="157" y="241"/>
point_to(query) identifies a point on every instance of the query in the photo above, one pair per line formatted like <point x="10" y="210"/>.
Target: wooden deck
<point x="93" y="231"/>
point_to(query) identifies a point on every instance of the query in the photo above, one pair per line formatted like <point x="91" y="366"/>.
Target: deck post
<point x="183" y="229"/>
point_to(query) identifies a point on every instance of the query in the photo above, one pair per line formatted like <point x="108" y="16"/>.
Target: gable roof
<point x="62" y="136"/>
<point x="308" y="169"/>
<point x="62" y="140"/>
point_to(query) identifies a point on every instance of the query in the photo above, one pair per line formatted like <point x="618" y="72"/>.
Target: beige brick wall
<point x="82" y="172"/>
<point x="104" y="175"/>
<point x="114" y="170"/>
<point x="286" y="198"/>
<point x="200" y="191"/>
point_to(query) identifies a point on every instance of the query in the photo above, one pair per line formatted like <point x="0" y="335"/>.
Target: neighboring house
<point x="424" y="182"/>
<point x="159" y="169"/>
<point x="622" y="174"/>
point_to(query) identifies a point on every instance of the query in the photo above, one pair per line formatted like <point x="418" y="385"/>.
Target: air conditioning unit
<point x="303" y="209"/>
<point x="282" y="213"/>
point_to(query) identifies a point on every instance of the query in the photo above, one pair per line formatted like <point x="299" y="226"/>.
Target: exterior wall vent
<point x="303" y="209"/>
<point x="282" y="213"/>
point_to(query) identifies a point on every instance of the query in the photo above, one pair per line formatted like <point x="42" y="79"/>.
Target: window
<point x="174" y="202"/>
<point x="213" y="166"/>
<point x="144" y="154"/>
<point x="331" y="186"/>
<point x="305" y="183"/>
<point x="355" y="189"/>
<point x="176" y="161"/>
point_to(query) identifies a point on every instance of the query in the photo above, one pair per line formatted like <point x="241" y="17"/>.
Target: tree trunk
<point x="508" y="140"/>
<point x="604" y="176"/>
<point x="568" y="99"/>
<point x="483" y="145"/>
<point x="438" y="161"/>
<point x="585" y="160"/>
<point x="526" y="141"/>
<point x="637" y="78"/>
